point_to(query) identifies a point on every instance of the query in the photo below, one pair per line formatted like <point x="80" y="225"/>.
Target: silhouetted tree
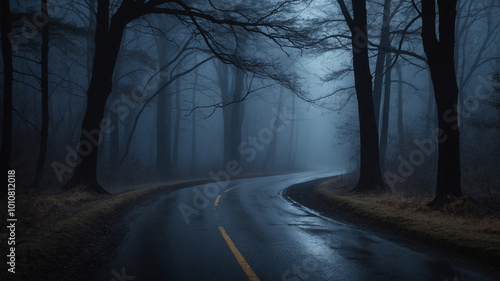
<point x="292" y="138"/>
<point x="386" y="108"/>
<point x="8" y="71"/>
<point x="193" y="123"/>
<point x="163" y="117"/>
<point x="401" y="134"/>
<point x="44" y="81"/>
<point x="379" y="66"/>
<point x="177" y="125"/>
<point x="441" y="60"/>
<point x="370" y="178"/>
<point x="270" y="159"/>
<point x="223" y="79"/>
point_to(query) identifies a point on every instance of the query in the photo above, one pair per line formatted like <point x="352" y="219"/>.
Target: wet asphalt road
<point x="251" y="232"/>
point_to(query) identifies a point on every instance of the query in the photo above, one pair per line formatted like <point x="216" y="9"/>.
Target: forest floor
<point x="468" y="228"/>
<point x="58" y="230"/>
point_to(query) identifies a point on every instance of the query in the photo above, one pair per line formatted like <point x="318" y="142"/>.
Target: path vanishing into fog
<point x="250" y="231"/>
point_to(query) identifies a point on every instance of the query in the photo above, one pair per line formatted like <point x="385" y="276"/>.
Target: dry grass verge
<point x="459" y="227"/>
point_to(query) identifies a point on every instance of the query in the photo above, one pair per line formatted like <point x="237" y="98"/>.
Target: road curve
<point x="247" y="230"/>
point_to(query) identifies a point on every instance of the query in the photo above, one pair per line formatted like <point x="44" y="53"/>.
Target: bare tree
<point x="370" y="178"/>
<point x="384" y="122"/>
<point x="237" y="114"/>
<point x="261" y="20"/>
<point x="44" y="130"/>
<point x="270" y="159"/>
<point x="177" y="125"/>
<point x="401" y="133"/>
<point x="379" y="66"/>
<point x="193" y="123"/>
<point x="8" y="72"/>
<point x="231" y="82"/>
<point x="163" y="118"/>
<point x="441" y="60"/>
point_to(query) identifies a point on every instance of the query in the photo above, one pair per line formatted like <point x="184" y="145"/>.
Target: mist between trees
<point x="118" y="93"/>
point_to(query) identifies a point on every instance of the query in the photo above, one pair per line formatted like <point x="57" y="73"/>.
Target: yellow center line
<point x="216" y="201"/>
<point x="241" y="260"/>
<point x="240" y="185"/>
<point x="231" y="188"/>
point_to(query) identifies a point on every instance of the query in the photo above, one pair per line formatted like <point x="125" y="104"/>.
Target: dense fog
<point x="188" y="96"/>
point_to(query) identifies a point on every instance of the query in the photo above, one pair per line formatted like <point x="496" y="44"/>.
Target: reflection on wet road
<point x="249" y="231"/>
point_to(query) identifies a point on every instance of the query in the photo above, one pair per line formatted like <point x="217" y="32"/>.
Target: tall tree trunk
<point x="459" y="10"/>
<point x="193" y="125"/>
<point x="164" y="135"/>
<point x="270" y="160"/>
<point x="496" y="78"/>
<point x="291" y="152"/>
<point x="8" y="72"/>
<point x="44" y="131"/>
<point x="164" y="122"/>
<point x="177" y="126"/>
<point x="440" y="58"/>
<point x="223" y="77"/>
<point x="114" y="139"/>
<point x="237" y="113"/>
<point x="430" y="123"/>
<point x="90" y="43"/>
<point x="384" y="126"/>
<point x="107" y="40"/>
<point x="370" y="178"/>
<point x="401" y="133"/>
<point x="379" y="66"/>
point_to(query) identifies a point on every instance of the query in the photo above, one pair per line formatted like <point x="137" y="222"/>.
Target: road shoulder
<point x="477" y="239"/>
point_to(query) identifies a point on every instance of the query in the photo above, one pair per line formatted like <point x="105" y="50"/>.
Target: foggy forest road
<point x="252" y="232"/>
